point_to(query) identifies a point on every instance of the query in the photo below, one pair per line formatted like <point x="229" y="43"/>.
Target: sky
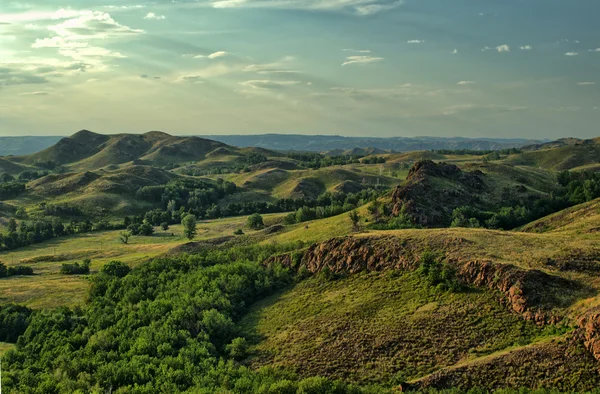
<point x="471" y="68"/>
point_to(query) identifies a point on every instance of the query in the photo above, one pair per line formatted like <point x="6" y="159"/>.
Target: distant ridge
<point x="19" y="146"/>
<point x="325" y="143"/>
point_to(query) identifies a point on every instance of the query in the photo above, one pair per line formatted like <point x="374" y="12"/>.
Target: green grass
<point x="4" y="347"/>
<point x="379" y="327"/>
<point x="48" y="288"/>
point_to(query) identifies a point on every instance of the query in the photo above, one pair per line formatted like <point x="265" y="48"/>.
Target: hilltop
<point x="564" y="154"/>
<point x="432" y="191"/>
<point x="86" y="150"/>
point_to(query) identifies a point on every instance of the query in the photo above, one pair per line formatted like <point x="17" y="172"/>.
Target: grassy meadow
<point x="48" y="288"/>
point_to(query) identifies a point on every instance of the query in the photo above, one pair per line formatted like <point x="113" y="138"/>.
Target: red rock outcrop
<point x="531" y="293"/>
<point x="589" y="329"/>
<point x="426" y="202"/>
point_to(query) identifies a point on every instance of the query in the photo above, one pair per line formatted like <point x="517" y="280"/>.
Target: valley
<point x="363" y="271"/>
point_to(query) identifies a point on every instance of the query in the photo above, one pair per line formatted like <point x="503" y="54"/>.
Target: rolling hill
<point x="561" y="155"/>
<point x="85" y="150"/>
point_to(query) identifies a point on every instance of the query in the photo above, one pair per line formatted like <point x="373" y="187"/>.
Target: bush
<point x="438" y="274"/>
<point x="12" y="271"/>
<point x="255" y="221"/>
<point x="116" y="268"/>
<point x="19" y="270"/>
<point x="239" y="231"/>
<point x="238" y="348"/>
<point x="76" y="268"/>
<point x="146" y="229"/>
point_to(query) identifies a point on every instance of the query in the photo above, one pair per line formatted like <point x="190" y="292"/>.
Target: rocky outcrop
<point x="531" y="293"/>
<point x="527" y="292"/>
<point x="433" y="190"/>
<point x="589" y="330"/>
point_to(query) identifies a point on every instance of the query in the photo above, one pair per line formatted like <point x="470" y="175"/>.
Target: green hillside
<point x="559" y="158"/>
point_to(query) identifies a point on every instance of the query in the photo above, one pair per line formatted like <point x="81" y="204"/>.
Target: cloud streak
<point x="361" y="60"/>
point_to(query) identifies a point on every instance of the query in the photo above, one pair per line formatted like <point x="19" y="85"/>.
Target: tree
<point x="355" y="219"/>
<point x="375" y="210"/>
<point x="146" y="229"/>
<point x="21" y="213"/>
<point x="124" y="237"/>
<point x="255" y="221"/>
<point x="12" y="225"/>
<point x="164" y="226"/>
<point x="189" y="226"/>
<point x="116" y="268"/>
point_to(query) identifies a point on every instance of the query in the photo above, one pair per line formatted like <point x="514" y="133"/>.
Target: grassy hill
<point x="559" y="156"/>
<point x="491" y="308"/>
<point x="86" y="150"/>
<point x="582" y="218"/>
<point x="433" y="190"/>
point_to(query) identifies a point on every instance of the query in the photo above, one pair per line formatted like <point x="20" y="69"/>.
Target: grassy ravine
<point x="379" y="327"/>
<point x="49" y="289"/>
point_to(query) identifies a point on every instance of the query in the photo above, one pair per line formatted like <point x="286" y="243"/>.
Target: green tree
<point x="255" y="221"/>
<point x="116" y="268"/>
<point x="189" y="226"/>
<point x="146" y="229"/>
<point x="12" y="225"/>
<point x="355" y="219"/>
<point x="164" y="226"/>
<point x="124" y="237"/>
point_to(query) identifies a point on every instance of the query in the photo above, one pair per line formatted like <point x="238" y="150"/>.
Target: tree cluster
<point x="166" y="326"/>
<point x="76" y="268"/>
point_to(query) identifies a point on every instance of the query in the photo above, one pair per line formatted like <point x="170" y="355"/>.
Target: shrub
<point x="12" y="271"/>
<point x="255" y="221"/>
<point x="116" y="268"/>
<point x="76" y="268"/>
<point x="238" y="348"/>
<point x="19" y="270"/>
<point x="239" y="231"/>
<point x="438" y="274"/>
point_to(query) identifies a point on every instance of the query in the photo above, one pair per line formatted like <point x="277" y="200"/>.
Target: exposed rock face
<point x="527" y="292"/>
<point x="530" y="293"/>
<point x="589" y="329"/>
<point x="432" y="191"/>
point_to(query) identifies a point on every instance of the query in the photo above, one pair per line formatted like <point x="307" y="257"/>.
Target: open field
<point x="48" y="288"/>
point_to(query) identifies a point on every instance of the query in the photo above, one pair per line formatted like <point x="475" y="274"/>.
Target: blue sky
<point x="473" y="68"/>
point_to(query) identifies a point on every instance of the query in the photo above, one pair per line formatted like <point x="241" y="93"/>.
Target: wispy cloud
<point x="357" y="50"/>
<point x="415" y="41"/>
<point x="595" y="50"/>
<point x="214" y="55"/>
<point x="526" y="48"/>
<point x="154" y="17"/>
<point x="454" y="52"/>
<point x="585" y="83"/>
<point x="190" y="78"/>
<point x="81" y="35"/>
<point x="40" y="93"/>
<point x="465" y="83"/>
<point x="217" y="54"/>
<point x="503" y="48"/>
<point x="571" y="54"/>
<point x="361" y="60"/>
<point x="358" y="7"/>
<point x="268" y="84"/>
